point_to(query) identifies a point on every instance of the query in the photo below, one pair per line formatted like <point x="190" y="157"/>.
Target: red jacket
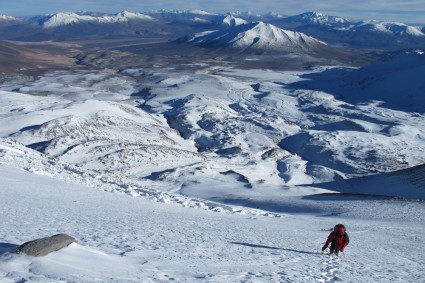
<point x="340" y="241"/>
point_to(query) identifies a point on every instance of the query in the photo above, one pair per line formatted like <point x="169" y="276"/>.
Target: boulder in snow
<point x="44" y="246"/>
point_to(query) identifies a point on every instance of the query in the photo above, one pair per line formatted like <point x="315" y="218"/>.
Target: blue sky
<point x="408" y="11"/>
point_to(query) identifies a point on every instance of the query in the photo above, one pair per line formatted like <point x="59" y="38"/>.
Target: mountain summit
<point x="230" y="20"/>
<point x="316" y="18"/>
<point x="256" y="36"/>
<point x="397" y="29"/>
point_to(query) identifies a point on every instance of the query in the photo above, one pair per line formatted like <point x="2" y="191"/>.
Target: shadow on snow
<point x="272" y="248"/>
<point x="7" y="247"/>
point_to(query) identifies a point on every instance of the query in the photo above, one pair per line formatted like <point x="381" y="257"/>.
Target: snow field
<point x="127" y="239"/>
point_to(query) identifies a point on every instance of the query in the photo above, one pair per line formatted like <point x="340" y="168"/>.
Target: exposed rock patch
<point x="44" y="246"/>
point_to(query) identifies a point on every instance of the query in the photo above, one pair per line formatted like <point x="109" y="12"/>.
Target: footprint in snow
<point x="330" y="269"/>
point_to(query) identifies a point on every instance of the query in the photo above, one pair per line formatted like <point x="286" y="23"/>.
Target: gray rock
<point x="44" y="246"/>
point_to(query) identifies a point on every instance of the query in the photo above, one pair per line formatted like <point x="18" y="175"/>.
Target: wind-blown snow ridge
<point x="257" y="36"/>
<point x="64" y="19"/>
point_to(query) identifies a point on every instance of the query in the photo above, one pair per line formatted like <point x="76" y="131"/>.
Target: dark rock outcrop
<point x="44" y="246"/>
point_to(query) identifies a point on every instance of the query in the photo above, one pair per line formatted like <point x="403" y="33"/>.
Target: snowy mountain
<point x="396" y="29"/>
<point x="5" y="20"/>
<point x="370" y="34"/>
<point x="334" y="30"/>
<point x="256" y="36"/>
<point x="186" y="16"/>
<point x="64" y="19"/>
<point x="232" y="21"/>
<point x="316" y="18"/>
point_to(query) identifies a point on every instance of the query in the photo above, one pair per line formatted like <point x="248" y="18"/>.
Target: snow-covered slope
<point x="404" y="183"/>
<point x="64" y="19"/>
<point x="102" y="136"/>
<point x="396" y="80"/>
<point x="256" y="36"/>
<point x="121" y="238"/>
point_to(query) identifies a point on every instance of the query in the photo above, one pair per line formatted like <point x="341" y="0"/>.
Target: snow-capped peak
<point x="390" y="28"/>
<point x="130" y="15"/>
<point x="258" y="35"/>
<point x="320" y="19"/>
<point x="230" y="20"/>
<point x="64" y="19"/>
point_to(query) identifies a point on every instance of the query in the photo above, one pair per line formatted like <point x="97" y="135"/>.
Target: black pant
<point x="334" y="249"/>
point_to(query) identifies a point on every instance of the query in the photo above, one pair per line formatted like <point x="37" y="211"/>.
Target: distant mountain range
<point x="338" y="23"/>
<point x="64" y="19"/>
<point x="173" y="24"/>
